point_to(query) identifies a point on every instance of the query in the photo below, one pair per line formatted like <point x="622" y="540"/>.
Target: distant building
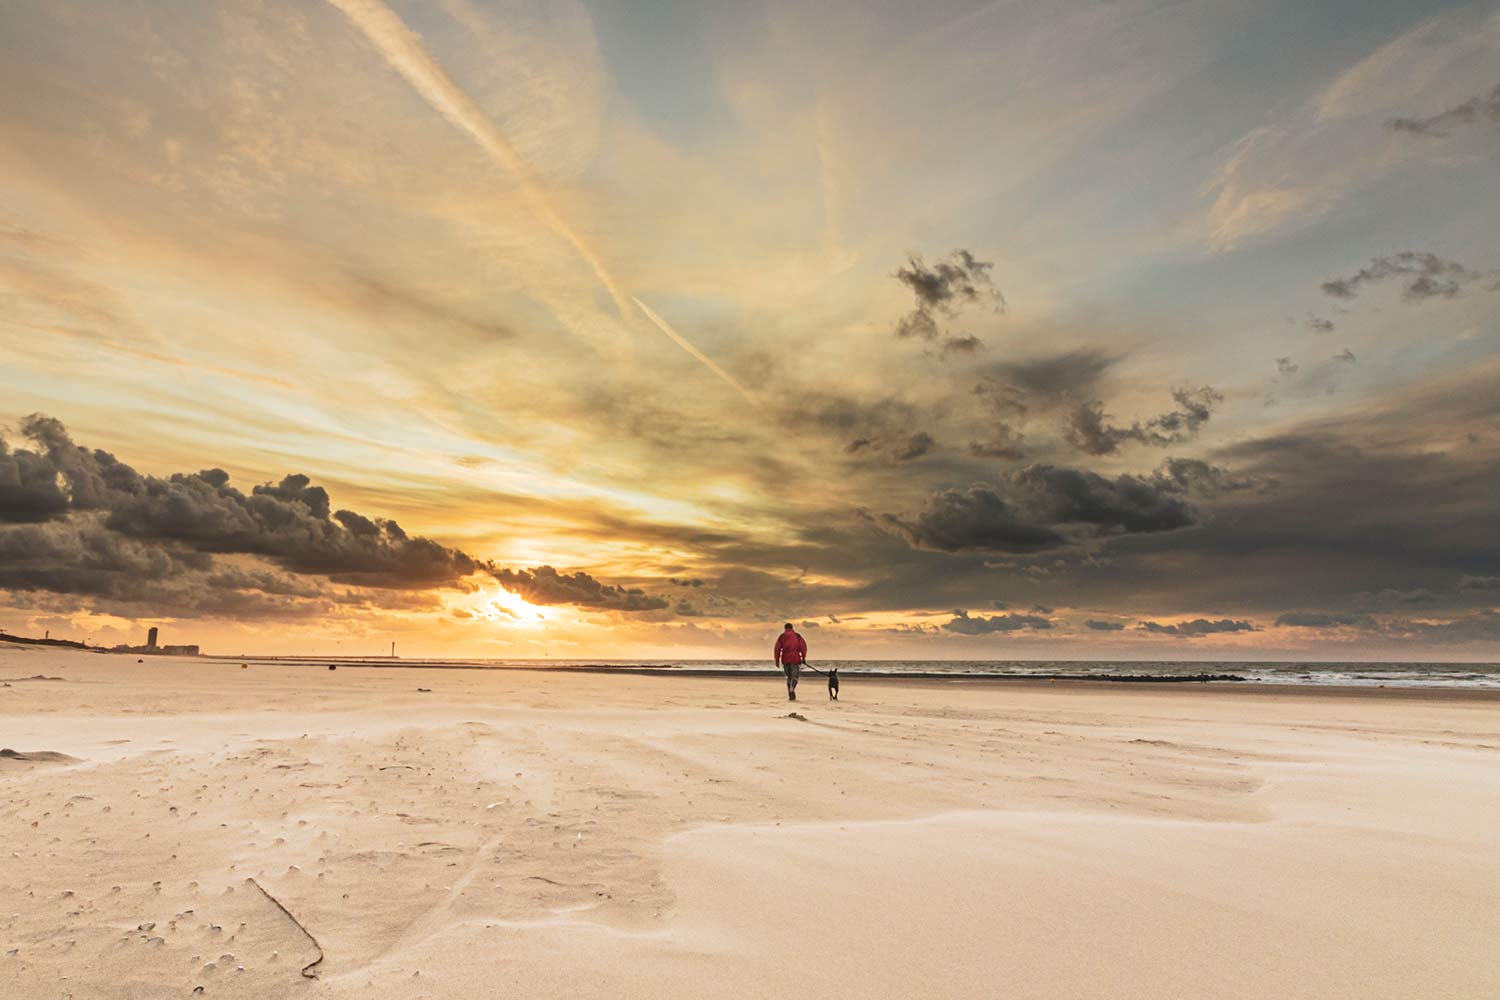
<point x="151" y="647"/>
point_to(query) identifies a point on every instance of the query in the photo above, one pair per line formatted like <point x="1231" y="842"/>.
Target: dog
<point x="833" y="684"/>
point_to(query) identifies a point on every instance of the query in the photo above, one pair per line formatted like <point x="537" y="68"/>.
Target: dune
<point x="290" y="831"/>
<point x="32" y="758"/>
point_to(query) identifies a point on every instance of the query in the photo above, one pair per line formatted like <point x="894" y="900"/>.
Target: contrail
<point x="708" y="362"/>
<point x="403" y="50"/>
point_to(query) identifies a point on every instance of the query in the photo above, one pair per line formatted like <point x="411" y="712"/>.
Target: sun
<point x="501" y="605"/>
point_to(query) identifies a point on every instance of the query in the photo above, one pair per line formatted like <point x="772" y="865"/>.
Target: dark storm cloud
<point x="1124" y="503"/>
<point x="916" y="446"/>
<point x="1006" y="442"/>
<point x="1423" y="275"/>
<point x="962" y="624"/>
<point x="958" y="279"/>
<point x="79" y="558"/>
<point x="1104" y="626"/>
<point x="1088" y="427"/>
<point x="1479" y="583"/>
<point x="1045" y="507"/>
<point x="83" y="523"/>
<point x="545" y="585"/>
<point x="978" y="517"/>
<point x="84" y="557"/>
<point x="967" y="344"/>
<point x="1470" y="112"/>
<point x="1055" y="374"/>
<point x="30" y="489"/>
<point x="1385" y="499"/>
<point x="1195" y="476"/>
<point x="1197" y="627"/>
<point x="290" y="522"/>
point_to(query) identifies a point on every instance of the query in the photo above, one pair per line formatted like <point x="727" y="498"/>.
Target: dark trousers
<point x="793" y="671"/>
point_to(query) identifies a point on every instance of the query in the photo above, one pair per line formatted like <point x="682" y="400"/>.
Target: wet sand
<point x="545" y="834"/>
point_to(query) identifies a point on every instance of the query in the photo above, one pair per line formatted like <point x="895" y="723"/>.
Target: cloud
<point x="957" y="280"/>
<point x="82" y="523"/>
<point x="545" y="585"/>
<point x="1438" y="125"/>
<point x="1198" y="627"/>
<point x="1317" y="324"/>
<point x="1088" y="429"/>
<point x="1346" y="356"/>
<point x="30" y="490"/>
<point x="1193" y="475"/>
<point x="1104" y="626"/>
<point x="1057" y="374"/>
<point x="1011" y="390"/>
<point x="886" y="427"/>
<point x="1389" y="597"/>
<point x="978" y="517"/>
<point x="1310" y="160"/>
<point x="1323" y="619"/>
<point x="1424" y="275"/>
<point x="1479" y="583"/>
<point x="1125" y="503"/>
<point x="1044" y="507"/>
<point x="1005" y="443"/>
<point x="962" y="624"/>
<point x="1284" y="366"/>
<point x="967" y="344"/>
<point x="916" y="446"/>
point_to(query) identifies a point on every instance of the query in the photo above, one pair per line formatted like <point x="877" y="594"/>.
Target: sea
<point x="1364" y="674"/>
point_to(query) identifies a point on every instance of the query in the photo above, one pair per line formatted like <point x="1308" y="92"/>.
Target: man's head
<point x="788" y="626"/>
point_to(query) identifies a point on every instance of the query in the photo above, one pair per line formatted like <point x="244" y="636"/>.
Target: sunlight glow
<point x="500" y="605"/>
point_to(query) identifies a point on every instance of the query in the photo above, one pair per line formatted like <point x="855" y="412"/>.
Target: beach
<point x="181" y="827"/>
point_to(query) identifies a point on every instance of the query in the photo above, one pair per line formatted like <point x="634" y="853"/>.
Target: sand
<point x="530" y="834"/>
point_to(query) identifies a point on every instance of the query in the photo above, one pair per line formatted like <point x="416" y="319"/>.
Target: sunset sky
<point x="953" y="330"/>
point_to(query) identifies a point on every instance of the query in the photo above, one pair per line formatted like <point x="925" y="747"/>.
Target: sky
<point x="512" y="328"/>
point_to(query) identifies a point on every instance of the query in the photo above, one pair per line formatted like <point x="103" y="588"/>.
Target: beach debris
<point x="797" y="716"/>
<point x="307" y="970"/>
<point x="333" y="666"/>
<point x="424" y="690"/>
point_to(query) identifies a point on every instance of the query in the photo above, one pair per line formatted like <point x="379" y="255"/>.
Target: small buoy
<point x="140" y="661"/>
<point x="332" y="666"/>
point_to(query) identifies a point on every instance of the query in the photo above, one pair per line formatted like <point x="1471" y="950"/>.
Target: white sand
<point x="528" y="834"/>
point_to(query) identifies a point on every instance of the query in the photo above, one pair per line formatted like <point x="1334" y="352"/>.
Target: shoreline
<point x="937" y="681"/>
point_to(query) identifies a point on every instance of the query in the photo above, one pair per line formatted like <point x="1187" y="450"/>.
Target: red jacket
<point x="790" y="648"/>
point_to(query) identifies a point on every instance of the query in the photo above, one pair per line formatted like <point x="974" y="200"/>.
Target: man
<point x="791" y="652"/>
